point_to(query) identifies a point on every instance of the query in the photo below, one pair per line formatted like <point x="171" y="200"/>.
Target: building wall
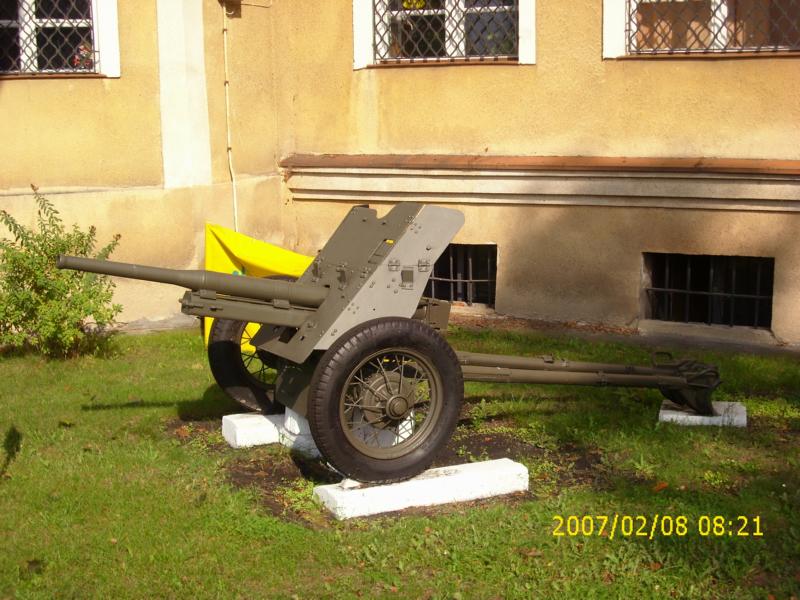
<point x="586" y="262"/>
<point x="93" y="145"/>
<point x="570" y="103"/>
<point x="86" y="131"/>
<point x="581" y="261"/>
<point x="96" y="147"/>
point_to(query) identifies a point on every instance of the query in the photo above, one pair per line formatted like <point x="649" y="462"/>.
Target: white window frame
<point x="364" y="34"/>
<point x="105" y="26"/>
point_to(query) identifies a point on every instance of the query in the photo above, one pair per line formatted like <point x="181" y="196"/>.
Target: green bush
<point x="53" y="312"/>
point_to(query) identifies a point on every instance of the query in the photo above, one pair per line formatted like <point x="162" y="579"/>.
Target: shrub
<point x="54" y="312"/>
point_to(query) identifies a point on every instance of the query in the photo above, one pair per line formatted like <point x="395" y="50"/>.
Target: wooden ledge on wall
<point x="743" y="166"/>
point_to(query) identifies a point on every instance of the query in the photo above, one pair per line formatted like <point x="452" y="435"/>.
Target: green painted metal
<point x="376" y="267"/>
<point x="241" y="286"/>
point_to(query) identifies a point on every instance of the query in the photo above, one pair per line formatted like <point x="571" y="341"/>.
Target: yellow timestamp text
<point x="650" y="527"/>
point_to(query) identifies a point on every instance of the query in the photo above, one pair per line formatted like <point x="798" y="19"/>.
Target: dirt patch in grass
<point x="284" y="481"/>
<point x="568" y="465"/>
<point x="207" y="434"/>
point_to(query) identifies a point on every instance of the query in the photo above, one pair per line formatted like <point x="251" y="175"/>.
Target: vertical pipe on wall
<point x="229" y="145"/>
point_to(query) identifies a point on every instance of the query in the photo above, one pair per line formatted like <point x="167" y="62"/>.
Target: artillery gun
<point x="357" y="349"/>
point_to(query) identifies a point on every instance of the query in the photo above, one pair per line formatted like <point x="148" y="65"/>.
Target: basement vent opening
<point x="465" y="273"/>
<point x="723" y="290"/>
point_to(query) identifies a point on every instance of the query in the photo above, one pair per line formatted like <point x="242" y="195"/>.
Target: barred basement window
<point x="726" y="290"/>
<point x="446" y="29"/>
<point x="465" y="273"/>
<point x="48" y="36"/>
<point x="690" y="26"/>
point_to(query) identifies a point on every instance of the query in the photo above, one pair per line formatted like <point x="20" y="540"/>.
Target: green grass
<point x="100" y="498"/>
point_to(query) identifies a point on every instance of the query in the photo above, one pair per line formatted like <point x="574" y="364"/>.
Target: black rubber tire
<point x="339" y="363"/>
<point x="231" y="373"/>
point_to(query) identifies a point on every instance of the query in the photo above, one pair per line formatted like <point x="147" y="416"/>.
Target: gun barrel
<point x="233" y="285"/>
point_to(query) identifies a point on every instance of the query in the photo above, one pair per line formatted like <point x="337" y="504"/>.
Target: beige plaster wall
<point x="252" y="61"/>
<point x="164" y="228"/>
<point x="292" y="89"/>
<point x="570" y="263"/>
<point x="93" y="146"/>
<point x="570" y="103"/>
<point x="88" y="131"/>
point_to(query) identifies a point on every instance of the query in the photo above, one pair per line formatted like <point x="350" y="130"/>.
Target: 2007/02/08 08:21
<point x="657" y="525"/>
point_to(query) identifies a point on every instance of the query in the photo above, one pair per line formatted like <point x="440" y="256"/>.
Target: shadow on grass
<point x="213" y="404"/>
<point x="12" y="444"/>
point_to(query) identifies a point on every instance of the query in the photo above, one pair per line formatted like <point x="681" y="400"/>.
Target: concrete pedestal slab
<point x="291" y="430"/>
<point x="442" y="485"/>
<point x="243" y="431"/>
<point x="730" y="414"/>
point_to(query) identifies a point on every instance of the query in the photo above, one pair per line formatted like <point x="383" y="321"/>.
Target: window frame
<point x="364" y="32"/>
<point x="617" y="28"/>
<point x="105" y="33"/>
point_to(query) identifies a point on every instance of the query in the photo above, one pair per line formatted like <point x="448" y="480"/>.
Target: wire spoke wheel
<point x="384" y="399"/>
<point x="255" y="362"/>
<point x="243" y="372"/>
<point x="390" y="402"/>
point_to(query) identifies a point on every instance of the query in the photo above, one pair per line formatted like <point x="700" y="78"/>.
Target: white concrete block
<point x="251" y="429"/>
<point x="730" y="414"/>
<point x="304" y="444"/>
<point x="242" y="431"/>
<point x="443" y="485"/>
<point x="295" y="423"/>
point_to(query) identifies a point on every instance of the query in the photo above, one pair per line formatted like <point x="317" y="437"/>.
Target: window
<point x="688" y="26"/>
<point x="465" y="273"/>
<point x="59" y="36"/>
<point x="726" y="290"/>
<point x="413" y="31"/>
<point x="440" y="29"/>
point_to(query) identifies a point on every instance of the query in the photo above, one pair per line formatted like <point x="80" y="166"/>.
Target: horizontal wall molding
<point x="370" y="179"/>
<point x="746" y="166"/>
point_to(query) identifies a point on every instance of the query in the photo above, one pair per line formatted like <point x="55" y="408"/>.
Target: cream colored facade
<point x="145" y="154"/>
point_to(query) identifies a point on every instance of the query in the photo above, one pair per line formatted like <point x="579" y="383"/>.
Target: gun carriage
<point x="359" y="352"/>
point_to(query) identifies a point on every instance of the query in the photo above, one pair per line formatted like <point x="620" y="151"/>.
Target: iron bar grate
<point x="436" y="30"/>
<point x="691" y="26"/>
<point x="725" y="290"/>
<point x="465" y="273"/>
<point x="47" y="36"/>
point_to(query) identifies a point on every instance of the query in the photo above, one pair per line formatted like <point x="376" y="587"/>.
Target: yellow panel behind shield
<point x="230" y="252"/>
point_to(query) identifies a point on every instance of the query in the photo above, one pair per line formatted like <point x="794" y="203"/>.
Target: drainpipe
<point x="231" y="170"/>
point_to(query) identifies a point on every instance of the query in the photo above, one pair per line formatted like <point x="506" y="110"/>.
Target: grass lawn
<point x="114" y="482"/>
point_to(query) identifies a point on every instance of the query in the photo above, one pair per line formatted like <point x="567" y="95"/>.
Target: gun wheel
<point x="243" y="372"/>
<point x="384" y="399"/>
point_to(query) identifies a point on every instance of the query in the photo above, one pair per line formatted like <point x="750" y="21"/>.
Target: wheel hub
<point x="397" y="407"/>
<point x="385" y="400"/>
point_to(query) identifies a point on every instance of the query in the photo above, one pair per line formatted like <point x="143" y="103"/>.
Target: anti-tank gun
<point x="356" y="346"/>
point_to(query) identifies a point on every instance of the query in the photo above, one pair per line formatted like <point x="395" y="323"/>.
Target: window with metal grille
<point x="725" y="290"/>
<point x="446" y="29"/>
<point x="48" y="36"/>
<point x="465" y="273"/>
<point x="688" y="26"/>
